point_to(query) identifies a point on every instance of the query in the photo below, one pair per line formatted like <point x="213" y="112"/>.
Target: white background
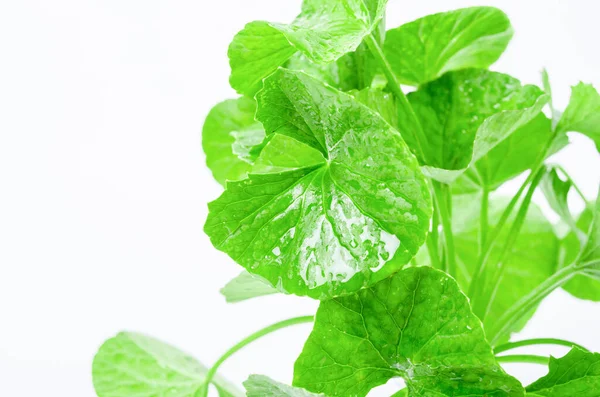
<point x="103" y="188"/>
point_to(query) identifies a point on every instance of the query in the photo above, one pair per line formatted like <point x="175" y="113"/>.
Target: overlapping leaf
<point x="132" y="364"/>
<point x="425" y="49"/>
<point x="466" y="114"/>
<point x="228" y="136"/>
<point x="416" y="325"/>
<point x="324" y="31"/>
<point x="329" y="228"/>
<point x="576" y="374"/>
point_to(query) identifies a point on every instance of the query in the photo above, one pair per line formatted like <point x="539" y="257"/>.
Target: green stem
<point x="478" y="281"/>
<point x="523" y="358"/>
<point x="536" y="341"/>
<point x="405" y="110"/>
<point x="441" y="197"/>
<point x="531" y="300"/>
<point x="484" y="217"/>
<point x="203" y="392"/>
<point x="432" y="243"/>
<point x="513" y="234"/>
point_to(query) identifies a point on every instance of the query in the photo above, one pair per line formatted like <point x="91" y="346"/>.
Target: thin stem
<point x="531" y="300"/>
<point x="513" y="234"/>
<point x="405" y="110"/>
<point x="441" y="196"/>
<point x="482" y="263"/>
<point x="432" y="244"/>
<point x="484" y="218"/>
<point x="523" y="358"/>
<point x="203" y="392"/>
<point x="536" y="341"/>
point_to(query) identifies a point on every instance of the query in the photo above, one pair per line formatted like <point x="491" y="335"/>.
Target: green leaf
<point x="262" y="386"/>
<point x="381" y="102"/>
<point x="466" y="114"/>
<point x="532" y="260"/>
<point x="516" y="154"/>
<point x="228" y="135"/>
<point x="324" y="31"/>
<point x="283" y="153"/>
<point x="591" y="251"/>
<point x="556" y="191"/>
<point x="583" y="113"/>
<point x="582" y="286"/>
<point x="425" y="49"/>
<point x="246" y="286"/>
<point x="416" y="325"/>
<point x="133" y="364"/>
<point x="576" y="374"/>
<point x="332" y="228"/>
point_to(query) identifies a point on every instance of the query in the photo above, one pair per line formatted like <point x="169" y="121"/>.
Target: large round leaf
<point x="416" y="325"/>
<point x="329" y="228"/>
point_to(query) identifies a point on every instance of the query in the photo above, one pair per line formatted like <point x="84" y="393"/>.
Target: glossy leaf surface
<point x="466" y="114"/>
<point x="324" y="31"/>
<point x="425" y="49"/>
<point x="416" y="325"/>
<point x="330" y="228"/>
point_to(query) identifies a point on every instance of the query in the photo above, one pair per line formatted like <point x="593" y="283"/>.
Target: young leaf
<point x="467" y="113"/>
<point x="425" y="49"/>
<point x="583" y="113"/>
<point x="576" y="374"/>
<point x="262" y="386"/>
<point x="323" y="32"/>
<point x="134" y="364"/>
<point x="246" y="286"/>
<point x="283" y="153"/>
<point x="228" y="135"/>
<point x="332" y="228"/>
<point x="417" y="325"/>
<point x="582" y="286"/>
<point x="532" y="260"/>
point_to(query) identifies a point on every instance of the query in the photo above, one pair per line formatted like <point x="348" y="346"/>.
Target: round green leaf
<point x="329" y="228"/>
<point x="417" y="325"/>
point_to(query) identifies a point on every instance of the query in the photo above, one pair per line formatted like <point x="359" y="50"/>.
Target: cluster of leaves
<point x="382" y="205"/>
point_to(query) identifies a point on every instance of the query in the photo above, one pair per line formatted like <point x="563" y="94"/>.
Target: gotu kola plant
<point x="382" y="205"/>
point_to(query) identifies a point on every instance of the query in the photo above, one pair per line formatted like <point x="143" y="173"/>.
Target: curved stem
<point x="406" y="113"/>
<point x="531" y="300"/>
<point x="523" y="358"/>
<point x="478" y="278"/>
<point x="481" y="308"/>
<point x="536" y="341"/>
<point x="484" y="218"/>
<point x="203" y="392"/>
